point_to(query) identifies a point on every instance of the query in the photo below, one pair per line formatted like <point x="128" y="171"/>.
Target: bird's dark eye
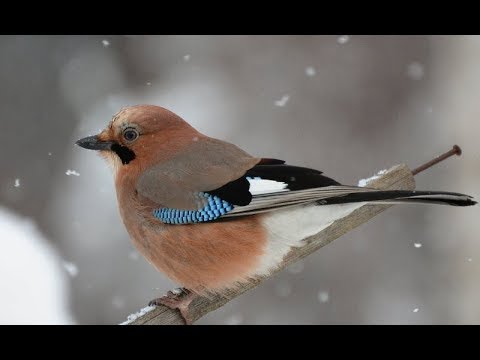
<point x="130" y="134"/>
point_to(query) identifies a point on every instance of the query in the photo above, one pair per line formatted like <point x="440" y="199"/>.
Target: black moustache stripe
<point x="124" y="153"/>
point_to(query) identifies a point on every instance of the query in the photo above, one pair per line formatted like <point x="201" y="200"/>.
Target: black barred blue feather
<point x="215" y="208"/>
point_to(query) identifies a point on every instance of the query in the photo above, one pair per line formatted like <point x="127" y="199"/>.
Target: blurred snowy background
<point x="347" y="105"/>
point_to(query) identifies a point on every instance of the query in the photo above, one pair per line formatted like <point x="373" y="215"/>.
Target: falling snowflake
<point x="469" y="259"/>
<point x="186" y="57"/>
<point x="283" y="101"/>
<point x="417" y="245"/>
<point x="105" y="43"/>
<point x="415" y="70"/>
<point x="17" y="183"/>
<point x="49" y="154"/>
<point x="133" y="255"/>
<point x="72" y="172"/>
<point x="343" y="39"/>
<point x="310" y="71"/>
<point x="283" y="288"/>
<point x="118" y="302"/>
<point x="149" y="83"/>
<point x="235" y="319"/>
<point x="195" y="138"/>
<point x="323" y="296"/>
<point x="71" y="268"/>
<point x="415" y="310"/>
<point x="296" y="268"/>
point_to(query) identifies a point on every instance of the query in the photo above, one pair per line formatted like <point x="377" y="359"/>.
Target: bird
<point x="209" y="215"/>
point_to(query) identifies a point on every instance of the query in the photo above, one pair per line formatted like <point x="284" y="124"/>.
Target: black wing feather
<point x="297" y="178"/>
<point x="300" y="178"/>
<point x="235" y="192"/>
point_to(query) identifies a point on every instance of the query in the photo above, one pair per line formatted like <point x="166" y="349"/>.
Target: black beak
<point x="93" y="143"/>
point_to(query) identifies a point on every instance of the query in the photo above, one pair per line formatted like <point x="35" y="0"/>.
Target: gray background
<point x="368" y="103"/>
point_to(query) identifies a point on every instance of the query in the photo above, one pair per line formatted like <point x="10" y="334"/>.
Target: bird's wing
<point x="216" y="180"/>
<point x="207" y="164"/>
<point x="280" y="186"/>
<point x="213" y="181"/>
<point x="275" y="186"/>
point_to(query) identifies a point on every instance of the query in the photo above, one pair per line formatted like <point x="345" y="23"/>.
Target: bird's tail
<point x="399" y="196"/>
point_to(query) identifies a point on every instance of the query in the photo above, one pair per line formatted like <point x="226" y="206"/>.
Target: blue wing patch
<point x="215" y="208"/>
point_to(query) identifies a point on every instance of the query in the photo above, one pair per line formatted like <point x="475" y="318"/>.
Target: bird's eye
<point x="130" y="134"/>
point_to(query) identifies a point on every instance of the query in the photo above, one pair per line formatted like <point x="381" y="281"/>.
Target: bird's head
<point x="141" y="134"/>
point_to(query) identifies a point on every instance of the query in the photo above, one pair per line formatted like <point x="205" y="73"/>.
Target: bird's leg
<point x="180" y="299"/>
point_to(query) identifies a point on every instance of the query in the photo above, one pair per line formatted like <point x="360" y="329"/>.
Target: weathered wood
<point x="398" y="177"/>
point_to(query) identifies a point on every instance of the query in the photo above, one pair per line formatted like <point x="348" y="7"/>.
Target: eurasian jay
<point x="209" y="215"/>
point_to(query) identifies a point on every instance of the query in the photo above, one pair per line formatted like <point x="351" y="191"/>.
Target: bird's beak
<point x="94" y="143"/>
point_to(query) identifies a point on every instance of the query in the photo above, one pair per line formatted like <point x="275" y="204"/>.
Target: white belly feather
<point x="288" y="228"/>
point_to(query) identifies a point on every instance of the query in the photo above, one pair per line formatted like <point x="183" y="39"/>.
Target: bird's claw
<point x="177" y="299"/>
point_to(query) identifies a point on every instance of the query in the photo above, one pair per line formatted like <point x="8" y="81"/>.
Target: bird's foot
<point x="180" y="299"/>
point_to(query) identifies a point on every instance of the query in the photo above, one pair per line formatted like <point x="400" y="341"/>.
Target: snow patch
<point x="365" y="182"/>
<point x="30" y="270"/>
<point x="132" y="317"/>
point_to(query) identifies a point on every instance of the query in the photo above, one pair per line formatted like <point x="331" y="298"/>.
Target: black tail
<point x="398" y="196"/>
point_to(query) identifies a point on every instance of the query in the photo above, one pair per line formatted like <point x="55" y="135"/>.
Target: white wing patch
<point x="260" y="186"/>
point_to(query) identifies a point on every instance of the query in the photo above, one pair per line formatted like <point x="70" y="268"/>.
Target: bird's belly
<point x="205" y="257"/>
<point x="214" y="257"/>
